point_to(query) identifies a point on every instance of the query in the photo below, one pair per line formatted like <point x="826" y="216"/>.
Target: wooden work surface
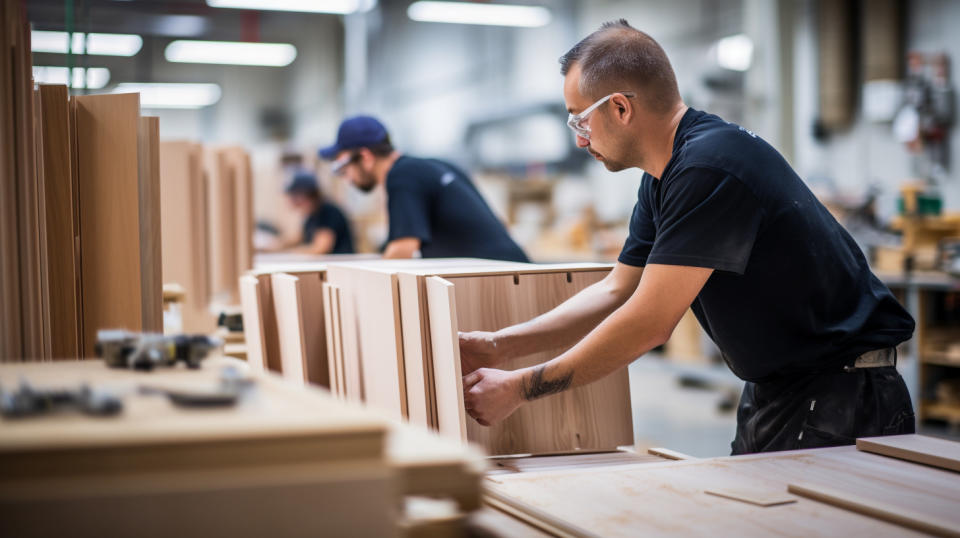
<point x="275" y="421"/>
<point x="670" y="499"/>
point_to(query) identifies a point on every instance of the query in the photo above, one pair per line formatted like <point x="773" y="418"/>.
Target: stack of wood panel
<point x="79" y="223"/>
<point x="207" y="226"/>
<point x="287" y="461"/>
<point x="400" y="350"/>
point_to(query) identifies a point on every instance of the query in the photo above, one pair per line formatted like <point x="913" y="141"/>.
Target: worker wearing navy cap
<point x="433" y="207"/>
<point x="325" y="229"/>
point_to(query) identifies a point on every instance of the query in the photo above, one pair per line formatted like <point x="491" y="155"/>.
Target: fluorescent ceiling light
<point x="735" y="52"/>
<point x="169" y="95"/>
<point x="97" y="77"/>
<point x="231" y="53"/>
<point x="469" y="13"/>
<point x="341" y="7"/>
<point x="99" y="44"/>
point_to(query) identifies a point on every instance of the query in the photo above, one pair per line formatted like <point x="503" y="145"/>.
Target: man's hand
<point x="478" y="349"/>
<point x="491" y="395"/>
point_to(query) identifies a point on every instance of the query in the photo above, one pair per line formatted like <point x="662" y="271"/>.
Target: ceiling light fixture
<point x="735" y="52"/>
<point x="97" y="77"/>
<point x="341" y="7"/>
<point x="98" y="44"/>
<point x="488" y="14"/>
<point x="172" y="95"/>
<point x="231" y="53"/>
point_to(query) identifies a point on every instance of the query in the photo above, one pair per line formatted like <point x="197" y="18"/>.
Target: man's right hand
<point x="478" y="349"/>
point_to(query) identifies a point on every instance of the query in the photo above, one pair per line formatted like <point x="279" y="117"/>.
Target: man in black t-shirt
<point x="723" y="225"/>
<point x="433" y="208"/>
<point x="325" y="229"/>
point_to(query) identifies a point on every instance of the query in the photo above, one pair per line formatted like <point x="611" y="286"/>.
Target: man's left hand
<point x="491" y="395"/>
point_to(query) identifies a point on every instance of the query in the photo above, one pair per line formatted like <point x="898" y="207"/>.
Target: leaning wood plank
<point x="11" y="338"/>
<point x="916" y="448"/>
<point x="252" y="321"/>
<point x="37" y="156"/>
<point x="328" y="340"/>
<point x="59" y="204"/>
<point x="313" y="326"/>
<point x="451" y="417"/>
<point x="222" y="227"/>
<point x="151" y="267"/>
<point x="337" y="322"/>
<point x="27" y="196"/>
<point x="109" y="214"/>
<point x="381" y="348"/>
<point x="415" y="330"/>
<point x="863" y="504"/>
<point x="286" y="291"/>
<point x="595" y="416"/>
<point x="669" y="454"/>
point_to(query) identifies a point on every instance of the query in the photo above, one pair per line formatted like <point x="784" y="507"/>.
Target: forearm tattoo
<point x="535" y="385"/>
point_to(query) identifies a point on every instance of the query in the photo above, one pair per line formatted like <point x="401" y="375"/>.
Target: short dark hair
<point x="383" y="148"/>
<point x="618" y="57"/>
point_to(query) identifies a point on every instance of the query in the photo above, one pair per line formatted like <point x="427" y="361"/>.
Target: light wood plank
<point x="151" y="266"/>
<point x="112" y="295"/>
<point x="222" y="228"/>
<point x="442" y="304"/>
<point x="11" y="337"/>
<point x="596" y="416"/>
<point x="60" y="201"/>
<point x="253" y="329"/>
<point x="862" y="503"/>
<point x="286" y="292"/>
<point x="916" y="448"/>
<point x="418" y="365"/>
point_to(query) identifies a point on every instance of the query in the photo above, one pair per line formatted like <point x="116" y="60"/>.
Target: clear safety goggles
<point x="575" y="121"/>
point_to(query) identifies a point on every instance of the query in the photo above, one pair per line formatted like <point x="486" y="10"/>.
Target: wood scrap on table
<point x="916" y="448"/>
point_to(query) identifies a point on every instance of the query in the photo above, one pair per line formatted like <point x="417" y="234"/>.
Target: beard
<point x="366" y="184"/>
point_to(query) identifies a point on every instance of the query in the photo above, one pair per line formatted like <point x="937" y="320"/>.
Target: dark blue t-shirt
<point x="437" y="203"/>
<point x="328" y="216"/>
<point x="792" y="291"/>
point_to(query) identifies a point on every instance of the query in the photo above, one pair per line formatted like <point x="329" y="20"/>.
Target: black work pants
<point x="822" y="409"/>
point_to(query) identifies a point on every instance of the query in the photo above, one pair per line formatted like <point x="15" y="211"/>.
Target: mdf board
<point x="183" y="224"/>
<point x="107" y="128"/>
<point x="595" y="416"/>
<point x="298" y="303"/>
<point x="236" y="163"/>
<point x="59" y="212"/>
<point x="222" y="227"/>
<point x="442" y="303"/>
<point x="417" y="356"/>
<point x="11" y="338"/>
<point x="670" y="498"/>
<point x="151" y="267"/>
<point x="27" y="199"/>
<point x="916" y="448"/>
<point x="251" y="304"/>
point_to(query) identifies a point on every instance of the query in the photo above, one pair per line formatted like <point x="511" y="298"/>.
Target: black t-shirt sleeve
<point x="408" y="206"/>
<point x="642" y="232"/>
<point x="707" y="219"/>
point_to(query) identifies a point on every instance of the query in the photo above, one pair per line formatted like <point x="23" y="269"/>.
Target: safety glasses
<point x="575" y="121"/>
<point x="339" y="166"/>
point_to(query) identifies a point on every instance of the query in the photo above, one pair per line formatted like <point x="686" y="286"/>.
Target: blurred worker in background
<point x="325" y="229"/>
<point x="433" y="207"/>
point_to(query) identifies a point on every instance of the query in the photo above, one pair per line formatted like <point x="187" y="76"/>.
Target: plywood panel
<point x="596" y="416"/>
<point x="916" y="448"/>
<point x="669" y="498"/>
<point x="237" y="162"/>
<point x="106" y="141"/>
<point x="222" y="228"/>
<point x="27" y="199"/>
<point x="442" y="304"/>
<point x="184" y="230"/>
<point x="381" y="347"/>
<point x="59" y="208"/>
<point x="253" y="330"/>
<point x="417" y="362"/>
<point x="298" y="304"/>
<point x="151" y="266"/>
<point x="325" y="290"/>
<point x="11" y="341"/>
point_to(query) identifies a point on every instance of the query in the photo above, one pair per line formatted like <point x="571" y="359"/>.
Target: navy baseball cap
<point x="356" y="132"/>
<point x="303" y="182"/>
